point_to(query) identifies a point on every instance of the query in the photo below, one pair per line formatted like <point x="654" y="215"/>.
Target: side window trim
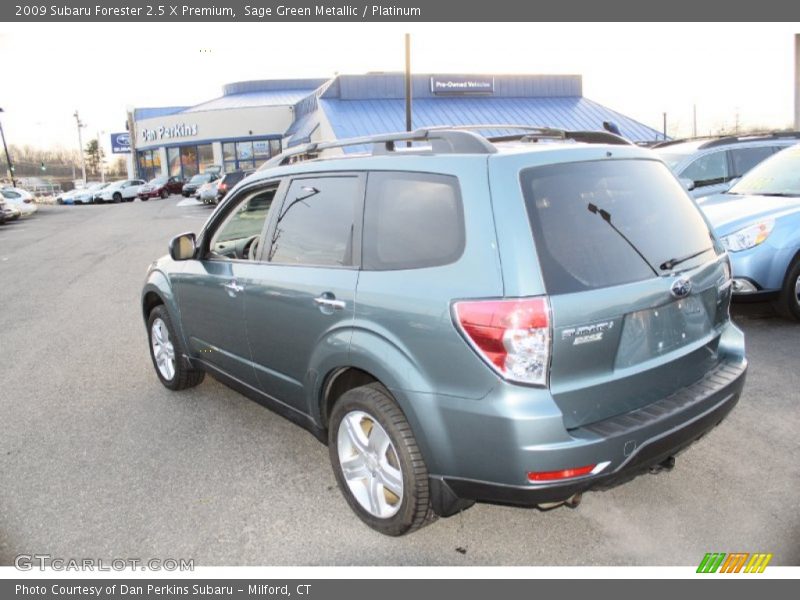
<point x="280" y="205"/>
<point x="221" y="217"/>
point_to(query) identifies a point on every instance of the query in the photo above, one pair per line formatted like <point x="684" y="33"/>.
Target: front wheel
<point x="167" y="353"/>
<point x="788" y="303"/>
<point x="117" y="197"/>
<point x="377" y="463"/>
<point x="164" y="194"/>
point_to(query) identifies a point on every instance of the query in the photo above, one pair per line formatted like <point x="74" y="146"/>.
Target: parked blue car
<point x="758" y="222"/>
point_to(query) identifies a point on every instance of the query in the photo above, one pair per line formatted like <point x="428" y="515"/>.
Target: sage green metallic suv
<point x="516" y="319"/>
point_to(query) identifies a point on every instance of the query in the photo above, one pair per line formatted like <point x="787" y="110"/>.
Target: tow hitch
<point x="665" y="465"/>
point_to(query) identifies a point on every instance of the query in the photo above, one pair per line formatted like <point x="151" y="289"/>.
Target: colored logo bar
<point x="736" y="562"/>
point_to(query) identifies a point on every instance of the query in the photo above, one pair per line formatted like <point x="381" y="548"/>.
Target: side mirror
<point x="182" y="247"/>
<point x="687" y="184"/>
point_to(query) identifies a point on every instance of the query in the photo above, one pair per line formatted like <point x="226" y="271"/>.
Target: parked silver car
<point x="711" y="165"/>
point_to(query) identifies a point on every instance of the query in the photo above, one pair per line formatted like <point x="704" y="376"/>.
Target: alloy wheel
<point x="163" y="350"/>
<point x="370" y="464"/>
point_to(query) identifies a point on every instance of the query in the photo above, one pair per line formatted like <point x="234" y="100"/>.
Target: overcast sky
<point x="641" y="70"/>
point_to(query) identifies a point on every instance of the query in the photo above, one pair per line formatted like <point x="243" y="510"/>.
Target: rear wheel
<point x="167" y="353"/>
<point x="788" y="303"/>
<point x="377" y="463"/>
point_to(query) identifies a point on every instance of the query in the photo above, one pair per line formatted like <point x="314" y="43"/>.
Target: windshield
<point x="672" y="159"/>
<point x="604" y="223"/>
<point x="158" y="181"/>
<point x="200" y="178"/>
<point x="779" y="175"/>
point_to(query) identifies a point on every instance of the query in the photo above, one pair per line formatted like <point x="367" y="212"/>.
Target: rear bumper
<point x="631" y="442"/>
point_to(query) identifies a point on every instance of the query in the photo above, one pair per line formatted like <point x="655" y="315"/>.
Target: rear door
<point x="304" y="299"/>
<point x="636" y="287"/>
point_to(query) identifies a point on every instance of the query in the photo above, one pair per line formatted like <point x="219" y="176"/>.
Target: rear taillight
<point x="222" y="187"/>
<point x="513" y="336"/>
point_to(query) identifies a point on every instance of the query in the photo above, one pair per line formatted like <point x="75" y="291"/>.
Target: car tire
<point x="144" y="198"/>
<point x="164" y="194"/>
<point x="116" y="198"/>
<point x="385" y="453"/>
<point x="788" y="302"/>
<point x="167" y="352"/>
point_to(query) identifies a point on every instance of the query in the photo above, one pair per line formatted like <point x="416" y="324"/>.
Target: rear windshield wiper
<point x="668" y="265"/>
<point x="606" y="216"/>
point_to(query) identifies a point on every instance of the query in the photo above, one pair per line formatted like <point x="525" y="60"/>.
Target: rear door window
<point x="318" y="221"/>
<point x="744" y="159"/>
<point x="709" y="169"/>
<point x="412" y="220"/>
<point x="603" y="223"/>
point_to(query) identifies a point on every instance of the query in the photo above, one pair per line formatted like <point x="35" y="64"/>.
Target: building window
<point x="174" y="161"/>
<point x="149" y="163"/>
<point x="248" y="154"/>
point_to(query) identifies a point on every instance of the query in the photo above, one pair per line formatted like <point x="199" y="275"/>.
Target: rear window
<point x="603" y="223"/>
<point x="412" y="220"/>
<point x="233" y="178"/>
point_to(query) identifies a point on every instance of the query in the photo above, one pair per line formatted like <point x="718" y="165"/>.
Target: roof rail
<point x="443" y="140"/>
<point x="756" y="137"/>
<point x="535" y="133"/>
<point x="714" y="141"/>
<point x="458" y="139"/>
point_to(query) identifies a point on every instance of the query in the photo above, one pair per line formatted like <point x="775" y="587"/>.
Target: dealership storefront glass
<point x="149" y="164"/>
<point x="248" y="154"/>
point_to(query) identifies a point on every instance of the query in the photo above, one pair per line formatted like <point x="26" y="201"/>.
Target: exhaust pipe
<point x="665" y="465"/>
<point x="571" y="502"/>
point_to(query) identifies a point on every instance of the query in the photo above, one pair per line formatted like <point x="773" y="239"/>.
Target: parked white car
<point x="87" y="194"/>
<point x="119" y="191"/>
<point x="20" y="199"/>
<point x="80" y="187"/>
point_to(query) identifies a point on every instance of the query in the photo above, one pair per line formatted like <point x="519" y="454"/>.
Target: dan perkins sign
<point x="462" y="84"/>
<point x="164" y="133"/>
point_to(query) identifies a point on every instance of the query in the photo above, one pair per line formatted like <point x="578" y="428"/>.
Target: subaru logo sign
<point x="681" y="288"/>
<point x="121" y="143"/>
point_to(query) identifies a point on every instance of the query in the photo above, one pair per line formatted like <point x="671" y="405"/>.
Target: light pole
<point x="80" y="145"/>
<point x="8" y="158"/>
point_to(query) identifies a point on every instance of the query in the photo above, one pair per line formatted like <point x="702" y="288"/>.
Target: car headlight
<point x="748" y="237"/>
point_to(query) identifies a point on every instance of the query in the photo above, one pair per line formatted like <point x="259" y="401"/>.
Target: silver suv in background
<point x="709" y="166"/>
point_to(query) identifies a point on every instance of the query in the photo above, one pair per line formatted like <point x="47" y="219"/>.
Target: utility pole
<point x="100" y="158"/>
<point x="8" y="158"/>
<point x="665" y="126"/>
<point x="797" y="81"/>
<point x="80" y="145"/>
<point x="409" y="120"/>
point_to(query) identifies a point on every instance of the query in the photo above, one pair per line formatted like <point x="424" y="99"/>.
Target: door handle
<point x="329" y="302"/>
<point x="233" y="287"/>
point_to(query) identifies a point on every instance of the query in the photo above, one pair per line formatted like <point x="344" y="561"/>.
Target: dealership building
<point x="254" y="120"/>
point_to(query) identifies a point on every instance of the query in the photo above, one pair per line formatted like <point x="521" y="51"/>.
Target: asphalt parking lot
<point x="97" y="459"/>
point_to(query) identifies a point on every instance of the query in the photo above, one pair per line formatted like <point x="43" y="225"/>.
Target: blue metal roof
<point x="301" y="130"/>
<point x="352" y="118"/>
<point x="156" y="111"/>
<point x="253" y="99"/>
